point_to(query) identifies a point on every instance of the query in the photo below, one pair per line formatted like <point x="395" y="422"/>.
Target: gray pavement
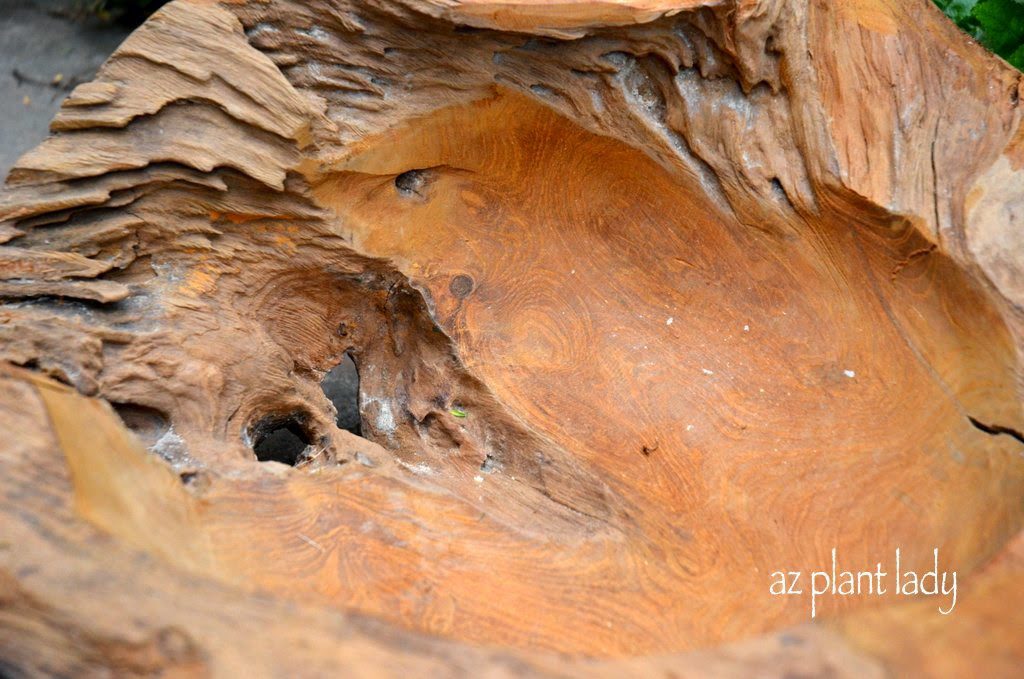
<point x="42" y="41"/>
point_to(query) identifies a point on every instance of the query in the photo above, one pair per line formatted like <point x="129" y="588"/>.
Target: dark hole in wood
<point x="341" y="386"/>
<point x="280" y="439"/>
<point x="410" y="182"/>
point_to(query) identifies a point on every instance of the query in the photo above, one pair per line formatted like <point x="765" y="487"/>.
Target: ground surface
<point x="40" y="39"/>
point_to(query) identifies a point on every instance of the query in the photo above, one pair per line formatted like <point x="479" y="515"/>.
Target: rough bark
<point x="648" y="299"/>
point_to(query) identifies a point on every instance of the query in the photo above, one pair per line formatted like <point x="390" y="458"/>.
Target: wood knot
<point x="461" y="286"/>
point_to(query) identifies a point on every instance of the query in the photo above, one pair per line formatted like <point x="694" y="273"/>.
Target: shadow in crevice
<point x="341" y="387"/>
<point x="148" y="424"/>
<point x="280" y="439"/>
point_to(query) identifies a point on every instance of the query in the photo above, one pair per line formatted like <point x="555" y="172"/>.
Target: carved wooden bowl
<point x="648" y="301"/>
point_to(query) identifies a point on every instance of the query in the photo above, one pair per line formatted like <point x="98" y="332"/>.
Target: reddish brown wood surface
<point x="648" y="300"/>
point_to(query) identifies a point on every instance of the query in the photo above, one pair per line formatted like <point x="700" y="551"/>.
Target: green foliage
<point x="996" y="24"/>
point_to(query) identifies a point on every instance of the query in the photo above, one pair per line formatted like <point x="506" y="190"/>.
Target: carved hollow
<point x="646" y="301"/>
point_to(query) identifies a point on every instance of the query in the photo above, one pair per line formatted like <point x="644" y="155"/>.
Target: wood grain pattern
<point x="647" y="299"/>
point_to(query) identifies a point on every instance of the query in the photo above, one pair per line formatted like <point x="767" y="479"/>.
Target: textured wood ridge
<point x="648" y="300"/>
